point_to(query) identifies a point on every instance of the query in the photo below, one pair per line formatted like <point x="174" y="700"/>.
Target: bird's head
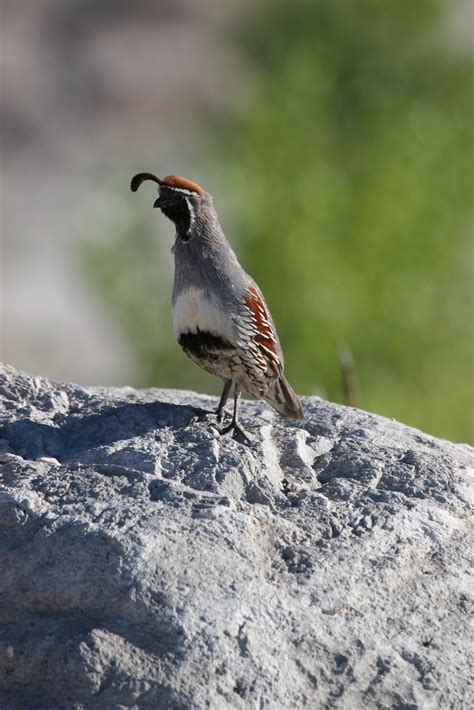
<point x="179" y="199"/>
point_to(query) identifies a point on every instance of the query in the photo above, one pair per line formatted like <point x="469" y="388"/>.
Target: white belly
<point x="195" y="310"/>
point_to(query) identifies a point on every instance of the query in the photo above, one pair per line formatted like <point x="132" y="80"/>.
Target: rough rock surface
<point x="147" y="564"/>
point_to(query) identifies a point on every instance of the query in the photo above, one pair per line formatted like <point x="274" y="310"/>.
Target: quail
<point x="219" y="315"/>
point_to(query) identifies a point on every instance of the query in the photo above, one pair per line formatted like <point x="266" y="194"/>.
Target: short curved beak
<point x="158" y="202"/>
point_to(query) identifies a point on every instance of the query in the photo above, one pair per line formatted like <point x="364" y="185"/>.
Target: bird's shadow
<point x="72" y="432"/>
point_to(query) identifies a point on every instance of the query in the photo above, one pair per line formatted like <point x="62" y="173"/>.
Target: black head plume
<point x="141" y="177"/>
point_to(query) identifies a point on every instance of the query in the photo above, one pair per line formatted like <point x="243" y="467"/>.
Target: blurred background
<point x="336" y="138"/>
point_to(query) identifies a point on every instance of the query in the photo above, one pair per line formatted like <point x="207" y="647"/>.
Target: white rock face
<point x="150" y="564"/>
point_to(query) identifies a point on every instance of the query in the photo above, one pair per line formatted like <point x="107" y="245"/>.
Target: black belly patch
<point x="204" y="344"/>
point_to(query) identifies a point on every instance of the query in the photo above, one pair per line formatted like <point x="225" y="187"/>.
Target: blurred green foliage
<point x="348" y="169"/>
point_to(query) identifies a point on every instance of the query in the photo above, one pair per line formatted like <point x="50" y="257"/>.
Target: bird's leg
<point x="234" y="426"/>
<point x="223" y="400"/>
<point x="219" y="413"/>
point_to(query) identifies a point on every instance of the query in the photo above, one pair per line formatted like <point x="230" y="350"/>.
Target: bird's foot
<point x="237" y="433"/>
<point x="205" y="417"/>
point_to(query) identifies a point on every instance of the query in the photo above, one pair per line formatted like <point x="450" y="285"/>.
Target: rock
<point x="146" y="564"/>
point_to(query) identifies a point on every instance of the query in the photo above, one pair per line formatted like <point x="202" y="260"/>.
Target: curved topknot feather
<point x="141" y="177"/>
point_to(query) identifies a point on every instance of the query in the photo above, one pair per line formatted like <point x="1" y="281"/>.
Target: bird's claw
<point x="236" y="431"/>
<point x="203" y="416"/>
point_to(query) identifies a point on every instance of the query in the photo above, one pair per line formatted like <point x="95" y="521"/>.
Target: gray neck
<point x="206" y="260"/>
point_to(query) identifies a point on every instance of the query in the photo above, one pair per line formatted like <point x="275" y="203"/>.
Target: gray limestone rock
<point x="150" y="564"/>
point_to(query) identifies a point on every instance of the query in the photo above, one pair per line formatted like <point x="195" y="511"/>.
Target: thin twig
<point x="346" y="362"/>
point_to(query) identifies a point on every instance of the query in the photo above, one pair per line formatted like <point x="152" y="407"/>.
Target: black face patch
<point x="175" y="207"/>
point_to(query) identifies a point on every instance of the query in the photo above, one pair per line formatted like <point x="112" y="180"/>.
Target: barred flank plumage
<point x="282" y="397"/>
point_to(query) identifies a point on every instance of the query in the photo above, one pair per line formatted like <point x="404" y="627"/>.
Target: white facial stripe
<point x="194" y="309"/>
<point x="183" y="190"/>
<point x="191" y="214"/>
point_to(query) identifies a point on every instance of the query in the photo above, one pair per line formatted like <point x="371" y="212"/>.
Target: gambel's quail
<point x="220" y="317"/>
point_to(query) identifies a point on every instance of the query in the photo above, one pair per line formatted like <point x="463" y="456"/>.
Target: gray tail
<point x="284" y="400"/>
